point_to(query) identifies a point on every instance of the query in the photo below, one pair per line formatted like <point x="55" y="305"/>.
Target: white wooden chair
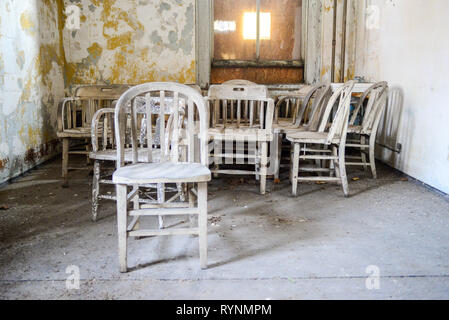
<point x="104" y="149"/>
<point x="168" y="170"/>
<point x="241" y="114"/>
<point x="376" y="99"/>
<point x="333" y="136"/>
<point x="303" y="110"/>
<point x="75" y="117"/>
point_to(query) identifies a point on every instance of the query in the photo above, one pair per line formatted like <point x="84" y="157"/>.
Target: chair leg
<point x="275" y="155"/>
<point x="192" y="200"/>
<point x="292" y="146"/>
<point x="295" y="169"/>
<point x="217" y="159"/>
<point x="161" y="200"/>
<point x="136" y="206"/>
<point x="202" y="223"/>
<point x="258" y="157"/>
<point x="342" y="170"/>
<point x="65" y="161"/>
<point x="263" y="168"/>
<point x="95" y="190"/>
<point x="372" y="157"/>
<point x="122" y="221"/>
<point x="87" y="150"/>
<point x="334" y="163"/>
<point x="362" y="151"/>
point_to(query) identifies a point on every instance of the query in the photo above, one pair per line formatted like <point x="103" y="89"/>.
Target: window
<point x="258" y="40"/>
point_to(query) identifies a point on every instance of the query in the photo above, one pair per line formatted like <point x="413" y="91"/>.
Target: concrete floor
<point x="315" y="246"/>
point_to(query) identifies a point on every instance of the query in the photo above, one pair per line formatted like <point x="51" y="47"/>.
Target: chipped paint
<point x="31" y="83"/>
<point x="120" y="41"/>
<point x="132" y="42"/>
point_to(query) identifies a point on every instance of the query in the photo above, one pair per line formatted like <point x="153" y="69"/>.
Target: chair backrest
<point x="100" y="92"/>
<point x="311" y="111"/>
<point x="88" y="99"/>
<point x="240" y="82"/>
<point x="288" y="106"/>
<point x="339" y="125"/>
<point x="371" y="96"/>
<point x="240" y="106"/>
<point x="372" y="123"/>
<point x="177" y="134"/>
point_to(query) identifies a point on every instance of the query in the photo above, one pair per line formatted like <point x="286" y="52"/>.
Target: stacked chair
<point x="364" y="134"/>
<point x="75" y="117"/>
<point x="327" y="144"/>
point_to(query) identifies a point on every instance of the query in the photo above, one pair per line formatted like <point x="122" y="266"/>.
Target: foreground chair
<point x="186" y="103"/>
<point x="376" y="99"/>
<point x="75" y="117"/>
<point x="307" y="144"/>
<point x="104" y="149"/>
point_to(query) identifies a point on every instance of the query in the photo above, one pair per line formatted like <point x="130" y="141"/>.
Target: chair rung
<point x="314" y="169"/>
<point x="79" y="152"/>
<point x="315" y="150"/>
<point x="353" y="145"/>
<point x="106" y="182"/>
<point x="237" y="172"/>
<point x="357" y="164"/>
<point x="106" y="197"/>
<point x="164" y="212"/>
<point x="155" y="205"/>
<point x="235" y="156"/>
<point x="318" y="179"/>
<point x="317" y="157"/>
<point x="163" y="232"/>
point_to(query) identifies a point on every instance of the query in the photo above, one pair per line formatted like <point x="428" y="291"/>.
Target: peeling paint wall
<point x="320" y="29"/>
<point x="31" y="83"/>
<point x="119" y="41"/>
<point x="409" y="49"/>
<point x="127" y="41"/>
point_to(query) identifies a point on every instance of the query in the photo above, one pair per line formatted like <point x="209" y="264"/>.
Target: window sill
<point x="257" y="64"/>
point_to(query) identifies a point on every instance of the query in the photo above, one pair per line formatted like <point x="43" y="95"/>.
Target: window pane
<point x="229" y="30"/>
<point x="285" y="40"/>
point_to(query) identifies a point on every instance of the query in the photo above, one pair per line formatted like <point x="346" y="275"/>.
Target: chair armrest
<point x="94" y="128"/>
<point x="61" y="112"/>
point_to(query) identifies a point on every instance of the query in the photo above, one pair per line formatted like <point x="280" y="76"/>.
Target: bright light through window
<point x="250" y="26"/>
<point x="224" y="26"/>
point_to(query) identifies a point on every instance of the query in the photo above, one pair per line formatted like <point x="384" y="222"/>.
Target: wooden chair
<point x="375" y="98"/>
<point x="165" y="169"/>
<point x="241" y="114"/>
<point x="304" y="115"/>
<point x="104" y="148"/>
<point x="75" y="117"/>
<point x="333" y="136"/>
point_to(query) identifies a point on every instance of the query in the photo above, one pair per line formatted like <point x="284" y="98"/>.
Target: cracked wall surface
<point x="31" y="83"/>
<point x="124" y="41"/>
<point x="118" y="41"/>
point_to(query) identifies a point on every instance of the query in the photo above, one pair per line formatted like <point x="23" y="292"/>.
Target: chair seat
<point x="165" y="172"/>
<point x="311" y="137"/>
<point x="357" y="130"/>
<point x="288" y="129"/>
<point x="111" y="155"/>
<point x="234" y="133"/>
<point x="75" y="133"/>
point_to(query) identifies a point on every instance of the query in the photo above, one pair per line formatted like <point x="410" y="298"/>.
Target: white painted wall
<point x="410" y="50"/>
